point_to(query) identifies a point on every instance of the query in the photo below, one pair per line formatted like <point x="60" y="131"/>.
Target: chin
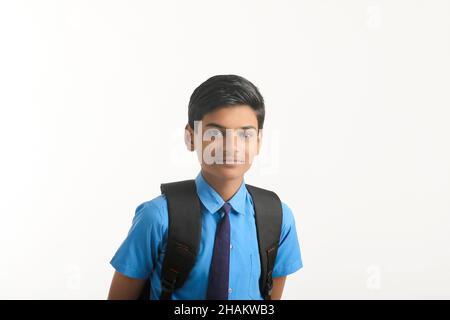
<point x="224" y="171"/>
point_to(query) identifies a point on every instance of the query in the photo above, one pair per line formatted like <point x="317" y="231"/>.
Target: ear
<point x="189" y="137"/>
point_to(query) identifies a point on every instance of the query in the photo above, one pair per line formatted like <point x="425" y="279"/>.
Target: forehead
<point x="232" y="117"/>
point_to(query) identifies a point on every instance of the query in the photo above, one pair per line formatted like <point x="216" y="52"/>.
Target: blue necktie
<point x="220" y="264"/>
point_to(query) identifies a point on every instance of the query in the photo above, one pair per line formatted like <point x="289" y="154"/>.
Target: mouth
<point x="232" y="162"/>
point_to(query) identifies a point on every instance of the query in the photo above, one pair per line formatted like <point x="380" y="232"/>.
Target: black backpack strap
<point x="184" y="234"/>
<point x="268" y="215"/>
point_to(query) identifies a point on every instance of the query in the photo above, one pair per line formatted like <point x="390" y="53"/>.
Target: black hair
<point x="223" y="91"/>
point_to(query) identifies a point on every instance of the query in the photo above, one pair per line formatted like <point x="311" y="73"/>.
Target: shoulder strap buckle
<point x="268" y="287"/>
<point x="167" y="285"/>
<point x="168" y="282"/>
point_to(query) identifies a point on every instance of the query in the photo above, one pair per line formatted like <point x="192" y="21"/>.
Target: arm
<point x="277" y="288"/>
<point x="288" y="258"/>
<point x="135" y="258"/>
<point x="125" y="288"/>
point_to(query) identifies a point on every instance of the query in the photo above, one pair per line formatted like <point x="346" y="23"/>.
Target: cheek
<point x="213" y="146"/>
<point x="209" y="149"/>
<point x="251" y="148"/>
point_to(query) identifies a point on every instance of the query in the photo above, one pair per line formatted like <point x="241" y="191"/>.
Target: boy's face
<point x="226" y="141"/>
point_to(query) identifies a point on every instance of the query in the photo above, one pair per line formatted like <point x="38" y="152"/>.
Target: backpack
<point x="184" y="234"/>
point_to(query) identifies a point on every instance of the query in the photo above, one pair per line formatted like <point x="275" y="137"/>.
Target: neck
<point x="226" y="188"/>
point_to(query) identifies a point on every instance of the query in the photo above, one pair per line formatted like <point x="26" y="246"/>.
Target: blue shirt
<point x="142" y="252"/>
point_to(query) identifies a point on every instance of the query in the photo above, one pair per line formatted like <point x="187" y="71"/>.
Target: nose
<point x="230" y="142"/>
<point x="233" y="149"/>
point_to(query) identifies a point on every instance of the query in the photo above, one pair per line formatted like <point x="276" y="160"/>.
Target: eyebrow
<point x="212" y="124"/>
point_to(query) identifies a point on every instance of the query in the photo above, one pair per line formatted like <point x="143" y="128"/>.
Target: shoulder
<point x="288" y="216"/>
<point x="152" y="212"/>
<point x="288" y="220"/>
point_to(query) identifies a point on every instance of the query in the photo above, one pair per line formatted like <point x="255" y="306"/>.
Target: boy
<point x="226" y="117"/>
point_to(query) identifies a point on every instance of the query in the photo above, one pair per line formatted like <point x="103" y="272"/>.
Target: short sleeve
<point x="288" y="258"/>
<point x="138" y="253"/>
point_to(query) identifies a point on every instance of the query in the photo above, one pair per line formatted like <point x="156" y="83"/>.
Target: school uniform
<point x="142" y="252"/>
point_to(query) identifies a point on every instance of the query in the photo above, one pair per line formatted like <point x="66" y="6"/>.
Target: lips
<point x="232" y="161"/>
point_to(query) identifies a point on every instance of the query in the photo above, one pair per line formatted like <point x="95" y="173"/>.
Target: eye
<point x="213" y="133"/>
<point x="245" y="134"/>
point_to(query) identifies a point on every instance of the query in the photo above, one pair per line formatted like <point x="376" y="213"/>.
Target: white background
<point x="93" y="100"/>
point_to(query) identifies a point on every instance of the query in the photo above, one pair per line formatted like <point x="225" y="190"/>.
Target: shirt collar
<point x="213" y="201"/>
